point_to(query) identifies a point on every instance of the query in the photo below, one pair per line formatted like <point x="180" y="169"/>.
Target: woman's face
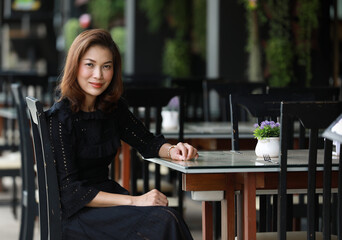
<point x="95" y="73"/>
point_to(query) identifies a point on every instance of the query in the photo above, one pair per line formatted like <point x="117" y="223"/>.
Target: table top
<point x="243" y="161"/>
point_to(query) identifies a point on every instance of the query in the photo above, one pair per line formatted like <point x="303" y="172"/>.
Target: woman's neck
<point x="88" y="106"/>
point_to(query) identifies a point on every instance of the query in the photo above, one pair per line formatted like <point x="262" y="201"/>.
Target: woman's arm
<point x="133" y="131"/>
<point x="152" y="198"/>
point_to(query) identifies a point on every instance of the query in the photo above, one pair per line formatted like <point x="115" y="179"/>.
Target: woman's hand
<point x="152" y="198"/>
<point x="182" y="151"/>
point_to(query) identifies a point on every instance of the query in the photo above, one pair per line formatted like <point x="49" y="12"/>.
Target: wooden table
<point x="238" y="171"/>
<point x="203" y="135"/>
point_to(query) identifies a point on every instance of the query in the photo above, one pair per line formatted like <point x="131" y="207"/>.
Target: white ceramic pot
<point x="268" y="146"/>
<point x="170" y="119"/>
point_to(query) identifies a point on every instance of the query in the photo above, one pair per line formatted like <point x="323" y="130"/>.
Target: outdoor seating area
<point x="201" y="119"/>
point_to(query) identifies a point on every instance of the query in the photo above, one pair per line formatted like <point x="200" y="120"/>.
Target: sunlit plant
<point x="266" y="129"/>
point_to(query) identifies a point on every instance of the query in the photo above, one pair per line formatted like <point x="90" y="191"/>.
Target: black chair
<point x="308" y="114"/>
<point x="49" y="200"/>
<point x="10" y="162"/>
<point x="31" y="85"/>
<point x="29" y="207"/>
<point x="194" y="111"/>
<point x="145" y="80"/>
<point x="265" y="107"/>
<point x="224" y="88"/>
<point x="10" y="167"/>
<point x="153" y="99"/>
<point x="323" y="93"/>
<point x="262" y="107"/>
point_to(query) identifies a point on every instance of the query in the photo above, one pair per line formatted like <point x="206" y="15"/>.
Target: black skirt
<point x="126" y="222"/>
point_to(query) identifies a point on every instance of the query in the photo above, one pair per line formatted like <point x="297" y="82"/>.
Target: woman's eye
<point x="89" y="64"/>
<point x="106" y="66"/>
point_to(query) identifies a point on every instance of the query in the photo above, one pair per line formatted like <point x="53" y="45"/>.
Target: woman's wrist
<point x="169" y="150"/>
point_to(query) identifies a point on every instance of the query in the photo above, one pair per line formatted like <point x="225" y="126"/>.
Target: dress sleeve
<point x="75" y="194"/>
<point x="133" y="132"/>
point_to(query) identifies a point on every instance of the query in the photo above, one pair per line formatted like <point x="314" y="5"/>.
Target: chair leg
<point x="180" y="193"/>
<point x="268" y="214"/>
<point x="217" y="219"/>
<point x="15" y="199"/>
<point x="262" y="213"/>
<point x="289" y="225"/>
<point x="275" y="210"/>
<point x="23" y="223"/>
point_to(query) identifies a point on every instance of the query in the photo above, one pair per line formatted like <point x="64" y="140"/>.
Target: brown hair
<point x="69" y="86"/>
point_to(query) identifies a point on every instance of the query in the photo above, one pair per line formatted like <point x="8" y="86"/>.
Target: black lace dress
<point x="84" y="143"/>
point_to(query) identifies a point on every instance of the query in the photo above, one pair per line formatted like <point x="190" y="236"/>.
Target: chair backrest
<point x="224" y="88"/>
<point x="193" y="87"/>
<point x="49" y="199"/>
<point x="32" y="85"/>
<point x="313" y="116"/>
<point x="29" y="203"/>
<point x="262" y="107"/>
<point x="145" y="80"/>
<point x="323" y="93"/>
<point x="156" y="98"/>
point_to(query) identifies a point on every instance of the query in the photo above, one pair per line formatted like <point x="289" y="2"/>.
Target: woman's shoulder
<point x="59" y="106"/>
<point x="122" y="104"/>
<point x="61" y="110"/>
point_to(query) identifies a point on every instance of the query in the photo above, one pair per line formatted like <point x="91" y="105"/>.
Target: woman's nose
<point x="98" y="72"/>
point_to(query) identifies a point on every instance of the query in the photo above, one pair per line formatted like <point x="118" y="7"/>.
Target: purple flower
<point x="256" y="125"/>
<point x="173" y="104"/>
<point x="266" y="129"/>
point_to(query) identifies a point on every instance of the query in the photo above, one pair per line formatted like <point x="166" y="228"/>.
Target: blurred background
<point x="281" y="43"/>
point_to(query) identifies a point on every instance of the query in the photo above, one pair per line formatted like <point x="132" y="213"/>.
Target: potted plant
<point x="267" y="134"/>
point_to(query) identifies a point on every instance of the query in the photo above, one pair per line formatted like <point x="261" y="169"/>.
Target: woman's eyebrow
<point x="92" y="60"/>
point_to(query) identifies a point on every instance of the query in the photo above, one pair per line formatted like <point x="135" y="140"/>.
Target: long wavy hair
<point x="69" y="87"/>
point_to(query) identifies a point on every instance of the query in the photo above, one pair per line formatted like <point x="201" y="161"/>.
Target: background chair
<point x="307" y="113"/>
<point x="10" y="167"/>
<point x="323" y="93"/>
<point x="145" y="80"/>
<point x="265" y="107"/>
<point x="29" y="208"/>
<point x="10" y="138"/>
<point x="223" y="88"/>
<point x="261" y="107"/>
<point x="193" y="98"/>
<point x="9" y="143"/>
<point x="152" y="100"/>
<point x="49" y="200"/>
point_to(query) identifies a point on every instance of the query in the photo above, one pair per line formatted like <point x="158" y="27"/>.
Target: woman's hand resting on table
<point x="151" y="198"/>
<point x="181" y="151"/>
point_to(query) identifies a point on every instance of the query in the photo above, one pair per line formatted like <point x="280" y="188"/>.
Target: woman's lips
<point x="96" y="85"/>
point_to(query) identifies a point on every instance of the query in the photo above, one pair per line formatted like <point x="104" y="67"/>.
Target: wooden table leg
<point x="249" y="212"/>
<point x="207" y="220"/>
<point x="228" y="212"/>
<point x="126" y="165"/>
<point x="239" y="213"/>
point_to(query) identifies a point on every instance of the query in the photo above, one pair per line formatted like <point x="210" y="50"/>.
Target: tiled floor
<point x="9" y="226"/>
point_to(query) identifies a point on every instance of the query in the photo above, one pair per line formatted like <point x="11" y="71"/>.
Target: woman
<point x="86" y="126"/>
